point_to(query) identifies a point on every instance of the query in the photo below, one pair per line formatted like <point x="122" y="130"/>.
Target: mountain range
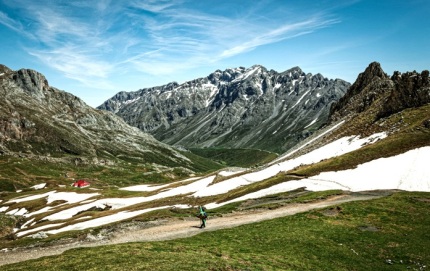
<point x="251" y="108"/>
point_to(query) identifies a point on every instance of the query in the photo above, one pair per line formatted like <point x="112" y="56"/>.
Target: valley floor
<point x="172" y="229"/>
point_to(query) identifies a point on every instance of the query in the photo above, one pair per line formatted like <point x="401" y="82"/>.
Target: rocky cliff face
<point x="239" y="108"/>
<point x="374" y="91"/>
<point x="37" y="119"/>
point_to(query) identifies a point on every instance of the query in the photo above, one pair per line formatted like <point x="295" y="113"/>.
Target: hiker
<point x="203" y="216"/>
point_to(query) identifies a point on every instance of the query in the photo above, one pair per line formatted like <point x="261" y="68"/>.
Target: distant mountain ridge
<point x="238" y="108"/>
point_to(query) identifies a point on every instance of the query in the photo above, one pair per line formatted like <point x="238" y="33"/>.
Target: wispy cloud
<point x="77" y="65"/>
<point x="89" y="43"/>
<point x="155" y="6"/>
<point x="13" y="24"/>
<point x="283" y="32"/>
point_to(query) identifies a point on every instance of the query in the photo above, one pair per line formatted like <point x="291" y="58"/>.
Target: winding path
<point x="173" y="229"/>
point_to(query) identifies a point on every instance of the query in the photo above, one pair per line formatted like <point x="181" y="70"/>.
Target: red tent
<point x="81" y="183"/>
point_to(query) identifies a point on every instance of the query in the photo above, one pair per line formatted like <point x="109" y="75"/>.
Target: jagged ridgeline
<point x="40" y="122"/>
<point x="236" y="108"/>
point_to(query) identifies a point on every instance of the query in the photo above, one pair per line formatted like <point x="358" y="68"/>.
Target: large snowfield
<point x="409" y="171"/>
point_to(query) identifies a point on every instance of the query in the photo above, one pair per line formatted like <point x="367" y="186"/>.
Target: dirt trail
<point x="173" y="229"/>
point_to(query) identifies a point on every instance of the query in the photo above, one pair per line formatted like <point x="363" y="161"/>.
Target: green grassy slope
<point x="21" y="173"/>
<point x="389" y="233"/>
<point x="236" y="157"/>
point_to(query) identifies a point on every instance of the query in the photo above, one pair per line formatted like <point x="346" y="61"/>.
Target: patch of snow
<point x="131" y="101"/>
<point x="318" y="95"/>
<point x="17" y="191"/>
<point x="260" y="87"/>
<point x="277" y="85"/>
<point x="88" y="201"/>
<point x="117" y="203"/>
<point x="27" y="223"/>
<point x="298" y="101"/>
<point x="70" y="197"/>
<point x="278" y="188"/>
<point x="39" y="186"/>
<point x="105" y="220"/>
<point x="292" y="91"/>
<point x="22" y="233"/>
<point x="33" y="197"/>
<point x="43" y="210"/>
<point x="168" y="94"/>
<point x="336" y="148"/>
<point x="247" y="74"/>
<point x="144" y="187"/>
<point x="312" y="122"/>
<point x="20" y="211"/>
<point x="408" y="171"/>
<point x="309" y="142"/>
<point x="213" y="91"/>
<point x="69" y="213"/>
<point x="150" y="187"/>
<point x="230" y="172"/>
<point x="3" y="209"/>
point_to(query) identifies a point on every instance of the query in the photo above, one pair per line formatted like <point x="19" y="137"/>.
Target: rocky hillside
<point x="238" y="108"/>
<point x="398" y="105"/>
<point x="376" y="96"/>
<point x="37" y="120"/>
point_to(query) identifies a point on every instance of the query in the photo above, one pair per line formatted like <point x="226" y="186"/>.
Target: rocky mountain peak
<point x="371" y="73"/>
<point x="363" y="92"/>
<point x="382" y="95"/>
<point x="295" y="72"/>
<point x="32" y="82"/>
<point x="4" y="69"/>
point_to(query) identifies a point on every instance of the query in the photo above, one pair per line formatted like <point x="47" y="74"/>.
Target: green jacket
<point x="202" y="214"/>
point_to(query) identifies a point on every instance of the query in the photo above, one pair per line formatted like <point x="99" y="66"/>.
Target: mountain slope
<point x="41" y="122"/>
<point x="398" y="106"/>
<point x="375" y="97"/>
<point x="237" y="108"/>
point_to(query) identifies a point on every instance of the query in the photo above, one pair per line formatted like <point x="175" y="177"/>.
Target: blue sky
<point x="95" y="49"/>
